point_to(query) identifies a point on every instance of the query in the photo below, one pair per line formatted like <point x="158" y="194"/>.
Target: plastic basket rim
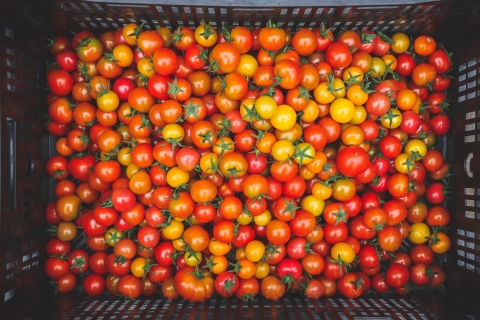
<point x="275" y="4"/>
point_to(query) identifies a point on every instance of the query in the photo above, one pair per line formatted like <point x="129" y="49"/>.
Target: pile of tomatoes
<point x="247" y="161"/>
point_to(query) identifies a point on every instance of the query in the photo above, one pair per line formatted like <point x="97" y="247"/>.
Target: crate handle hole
<point x="467" y="165"/>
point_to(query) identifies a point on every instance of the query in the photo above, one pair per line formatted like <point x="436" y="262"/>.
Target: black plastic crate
<point x="24" y="25"/>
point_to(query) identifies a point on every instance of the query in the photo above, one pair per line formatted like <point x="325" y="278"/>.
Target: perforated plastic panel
<point x="291" y="307"/>
<point x="464" y="156"/>
<point x="23" y="191"/>
<point x="387" y="18"/>
<point x="467" y="234"/>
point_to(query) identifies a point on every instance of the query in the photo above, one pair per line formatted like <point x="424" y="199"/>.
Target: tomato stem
<point x="119" y="260"/>
<point x="357" y="283"/>
<point x="214" y="66"/>
<point x="176" y="36"/>
<point x="225" y="32"/>
<point x="207" y="30"/>
<point x="288" y="280"/>
<point x="174" y="89"/>
<point x="385" y="38"/>
<point x="290" y="207"/>
<point x="325" y="33"/>
<point x="251" y="114"/>
<point x="107" y="203"/>
<point x="78" y="262"/>
<point x="114" y="236"/>
<point x="209" y="263"/>
<point x="248" y="296"/>
<point x="223" y="146"/>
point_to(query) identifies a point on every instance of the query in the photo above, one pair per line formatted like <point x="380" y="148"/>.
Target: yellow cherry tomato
<point x="254" y="250"/>
<point x="206" y="35"/>
<point x="392" y="119"/>
<point x="124" y="156"/>
<point x="417" y="147"/>
<point x="322" y="95"/>
<point x="262" y="270"/>
<point x="378" y="68"/>
<point x="193" y="258"/>
<point x="360" y="115"/>
<point x="285" y="118"/>
<point x="356" y="94"/>
<point x="177" y="177"/>
<point x="174" y="230"/>
<point x="282" y="150"/>
<point x="244" y="218"/>
<point x="108" y="101"/>
<point x="145" y="67"/>
<point x="313" y="205"/>
<point x="390" y="61"/>
<point x="131" y="170"/>
<point x="403" y="163"/>
<point x="343" y="251"/>
<point x="321" y="191"/>
<point x="247" y="66"/>
<point x="130" y="33"/>
<point x="112" y="236"/>
<point x="402" y="42"/>
<point x="179" y="244"/>
<point x="353" y="74"/>
<point x="304" y="153"/>
<point x="263" y="219"/>
<point x="343" y="189"/>
<point x="223" y="145"/>
<point x="138" y="267"/>
<point x="266" y="107"/>
<point x="248" y="111"/>
<point x="342" y="110"/>
<point x="218" y="248"/>
<point x="123" y="55"/>
<point x="339" y="90"/>
<point x="208" y="161"/>
<point x="173" y="132"/>
<point x="419" y="233"/>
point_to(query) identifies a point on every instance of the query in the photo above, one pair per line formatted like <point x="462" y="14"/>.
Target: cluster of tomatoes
<point x="245" y="161"/>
